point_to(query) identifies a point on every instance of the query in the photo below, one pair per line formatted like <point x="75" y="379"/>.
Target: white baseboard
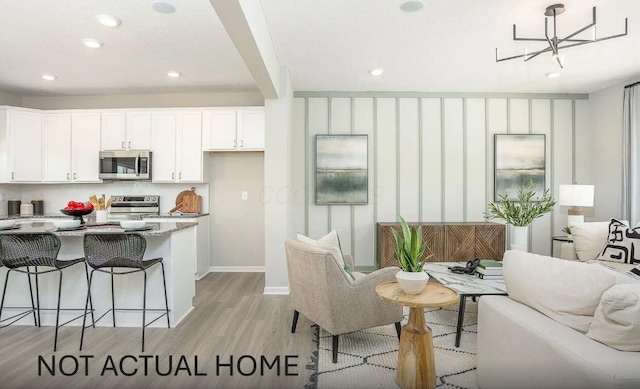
<point x="276" y="290"/>
<point x="236" y="269"/>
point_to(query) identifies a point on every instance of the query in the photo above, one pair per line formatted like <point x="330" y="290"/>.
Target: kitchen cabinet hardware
<point x="173" y="176"/>
<point x="68" y="176"/>
<point x="12" y="175"/>
<point x="74" y="176"/>
<point x="129" y="144"/>
<point x="242" y="143"/>
<point x="122" y="145"/>
<point x="180" y="175"/>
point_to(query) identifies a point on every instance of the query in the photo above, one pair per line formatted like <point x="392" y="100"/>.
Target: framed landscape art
<point x="519" y="159"/>
<point x="341" y="169"/>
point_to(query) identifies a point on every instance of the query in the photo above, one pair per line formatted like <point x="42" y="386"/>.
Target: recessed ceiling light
<point x="163" y="7"/>
<point x="376" y="71"/>
<point x="412" y="5"/>
<point x="93" y="43"/>
<point x="108" y="20"/>
<point x="553" y="75"/>
<point x="173" y="74"/>
<point x="48" y="77"/>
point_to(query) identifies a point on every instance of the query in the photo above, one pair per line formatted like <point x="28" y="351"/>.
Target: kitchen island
<point x="174" y="242"/>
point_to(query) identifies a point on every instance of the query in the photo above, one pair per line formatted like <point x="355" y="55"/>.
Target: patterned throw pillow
<point x="623" y="244"/>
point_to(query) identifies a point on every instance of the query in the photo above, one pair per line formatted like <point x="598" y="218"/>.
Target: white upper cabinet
<point x="57" y="147"/>
<point x="21" y="146"/>
<point x="85" y="146"/>
<point x="251" y="130"/>
<point x="71" y="146"/>
<point x="126" y="131"/>
<point x="234" y="130"/>
<point x="177" y="146"/>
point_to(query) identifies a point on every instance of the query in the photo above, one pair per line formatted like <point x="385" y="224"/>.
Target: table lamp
<point x="576" y="197"/>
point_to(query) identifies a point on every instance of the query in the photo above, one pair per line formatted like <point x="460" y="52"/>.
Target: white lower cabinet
<point x="177" y="146"/>
<point x="71" y="146"/>
<point x="203" y="249"/>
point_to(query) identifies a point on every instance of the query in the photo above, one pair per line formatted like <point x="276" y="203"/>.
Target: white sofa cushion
<point x="566" y="291"/>
<point x="622" y="243"/>
<point x="589" y="239"/>
<point x="616" y="322"/>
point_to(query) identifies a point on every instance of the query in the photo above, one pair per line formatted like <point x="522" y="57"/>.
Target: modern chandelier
<point x="555" y="43"/>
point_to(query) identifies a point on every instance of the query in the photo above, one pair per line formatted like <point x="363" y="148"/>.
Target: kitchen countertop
<point x="158" y="229"/>
<point x="174" y="215"/>
<point x="45" y="216"/>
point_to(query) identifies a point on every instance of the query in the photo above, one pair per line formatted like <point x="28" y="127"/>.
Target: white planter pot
<point x="520" y="238"/>
<point x="412" y="282"/>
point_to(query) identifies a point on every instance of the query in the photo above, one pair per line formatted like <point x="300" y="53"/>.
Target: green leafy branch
<point x="522" y="212"/>
<point x="409" y="247"/>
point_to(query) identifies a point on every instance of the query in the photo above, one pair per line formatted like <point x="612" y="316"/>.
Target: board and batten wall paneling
<point x="431" y="157"/>
<point x="386" y="160"/>
<point x="408" y="135"/>
<point x="318" y="118"/>
<point x="453" y="161"/>
<point x="340" y="215"/>
<point x="475" y="150"/>
<point x="540" y="116"/>
<point x="364" y="217"/>
<point x="431" y="168"/>
<point x="562" y="146"/>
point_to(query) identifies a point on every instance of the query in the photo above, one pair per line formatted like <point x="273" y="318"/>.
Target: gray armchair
<point x="329" y="297"/>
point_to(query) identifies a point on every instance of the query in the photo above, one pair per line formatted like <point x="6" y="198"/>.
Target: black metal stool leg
<point x="166" y="300"/>
<point x="55" y="338"/>
<point x="33" y="305"/>
<point x="113" y="301"/>
<point x="86" y="304"/>
<point x="37" y="296"/>
<point x="4" y="293"/>
<point x="144" y="306"/>
<point x="93" y="320"/>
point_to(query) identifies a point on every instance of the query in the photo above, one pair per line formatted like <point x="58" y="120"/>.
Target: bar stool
<point x="20" y="315"/>
<point x="105" y="252"/>
<point x="20" y="251"/>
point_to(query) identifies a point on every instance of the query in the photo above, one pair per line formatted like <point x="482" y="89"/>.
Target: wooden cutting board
<point x="188" y="201"/>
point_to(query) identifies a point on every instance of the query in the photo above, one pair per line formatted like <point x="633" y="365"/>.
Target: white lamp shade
<point x="576" y="195"/>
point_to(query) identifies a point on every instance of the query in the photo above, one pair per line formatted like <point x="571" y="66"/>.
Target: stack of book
<point x="489" y="269"/>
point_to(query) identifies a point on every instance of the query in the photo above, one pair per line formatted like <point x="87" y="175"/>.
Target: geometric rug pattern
<point x="368" y="358"/>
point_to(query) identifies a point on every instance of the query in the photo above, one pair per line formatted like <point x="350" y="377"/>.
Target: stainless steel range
<point x="134" y="207"/>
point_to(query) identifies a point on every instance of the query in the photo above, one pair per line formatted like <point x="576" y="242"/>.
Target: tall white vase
<point x="520" y="238"/>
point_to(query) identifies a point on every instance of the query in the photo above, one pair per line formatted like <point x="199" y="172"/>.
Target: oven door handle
<point x="138" y="165"/>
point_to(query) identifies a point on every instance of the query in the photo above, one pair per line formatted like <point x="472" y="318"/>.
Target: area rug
<point x="368" y="358"/>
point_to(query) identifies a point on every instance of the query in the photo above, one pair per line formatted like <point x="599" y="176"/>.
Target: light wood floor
<point x="231" y="319"/>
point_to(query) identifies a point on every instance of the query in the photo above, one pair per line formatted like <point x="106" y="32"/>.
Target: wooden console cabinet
<point x="448" y="242"/>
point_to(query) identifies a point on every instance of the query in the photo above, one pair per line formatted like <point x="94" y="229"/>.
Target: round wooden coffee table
<point x="416" y="364"/>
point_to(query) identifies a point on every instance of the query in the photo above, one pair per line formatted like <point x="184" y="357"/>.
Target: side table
<point x="416" y="363"/>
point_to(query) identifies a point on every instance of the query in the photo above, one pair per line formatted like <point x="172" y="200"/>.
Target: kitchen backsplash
<point x="56" y="196"/>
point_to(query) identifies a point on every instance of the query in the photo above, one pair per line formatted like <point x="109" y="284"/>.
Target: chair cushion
<point x="589" y="239"/>
<point x="566" y="291"/>
<point x="616" y="322"/>
<point x="622" y="243"/>
<point x="330" y="242"/>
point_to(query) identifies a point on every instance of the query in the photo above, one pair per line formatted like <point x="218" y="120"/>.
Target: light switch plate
<point x="245" y="195"/>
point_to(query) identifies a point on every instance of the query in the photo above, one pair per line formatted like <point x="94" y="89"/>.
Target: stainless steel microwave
<point x="125" y="165"/>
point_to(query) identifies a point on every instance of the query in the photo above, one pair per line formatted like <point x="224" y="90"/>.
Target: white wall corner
<point x="277" y="195"/>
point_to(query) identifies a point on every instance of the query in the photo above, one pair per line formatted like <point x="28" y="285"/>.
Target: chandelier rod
<point x="555" y="42"/>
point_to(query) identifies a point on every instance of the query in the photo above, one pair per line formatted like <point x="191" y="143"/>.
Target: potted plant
<point x="521" y="213"/>
<point x="409" y="250"/>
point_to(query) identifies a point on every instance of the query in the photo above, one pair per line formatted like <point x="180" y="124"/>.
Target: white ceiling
<point x="328" y="45"/>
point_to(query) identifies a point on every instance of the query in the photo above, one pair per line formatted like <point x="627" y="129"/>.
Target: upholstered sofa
<point x="563" y="325"/>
